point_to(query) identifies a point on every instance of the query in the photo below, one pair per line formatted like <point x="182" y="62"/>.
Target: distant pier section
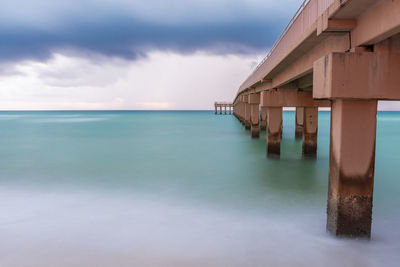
<point x="225" y="105"/>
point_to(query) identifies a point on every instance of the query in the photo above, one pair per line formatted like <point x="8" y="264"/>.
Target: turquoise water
<point x="104" y="188"/>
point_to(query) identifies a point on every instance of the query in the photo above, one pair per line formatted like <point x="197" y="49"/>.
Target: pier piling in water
<point x="263" y="118"/>
<point x="274" y="131"/>
<point x="299" y="122"/>
<point x="254" y="102"/>
<point x="351" y="167"/>
<point x="310" y="131"/>
<point x="224" y="105"/>
<point x="247" y="113"/>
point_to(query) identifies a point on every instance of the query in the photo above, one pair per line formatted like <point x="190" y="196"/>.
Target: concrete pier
<point x="247" y="113"/>
<point x="274" y="131"/>
<point x="351" y="167"/>
<point x="224" y="105"/>
<point x="310" y="132"/>
<point x="299" y="122"/>
<point x="263" y="118"/>
<point x="241" y="109"/>
<point x="339" y="53"/>
<point x="254" y="102"/>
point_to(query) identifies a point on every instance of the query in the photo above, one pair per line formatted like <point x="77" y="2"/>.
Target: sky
<point x="132" y="54"/>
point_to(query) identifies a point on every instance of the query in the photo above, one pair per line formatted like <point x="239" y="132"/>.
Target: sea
<point x="179" y="188"/>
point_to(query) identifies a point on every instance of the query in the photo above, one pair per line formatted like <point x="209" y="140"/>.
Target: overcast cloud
<point x="129" y="29"/>
<point x="133" y="54"/>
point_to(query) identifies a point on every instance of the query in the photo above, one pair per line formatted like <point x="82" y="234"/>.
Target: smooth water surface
<point x="94" y="188"/>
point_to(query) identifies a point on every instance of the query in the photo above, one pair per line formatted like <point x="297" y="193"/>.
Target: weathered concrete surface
<point x="247" y="113"/>
<point x="263" y="118"/>
<point x="255" y="125"/>
<point x="351" y="175"/>
<point x="363" y="75"/>
<point x="310" y="132"/>
<point x="290" y="98"/>
<point x="299" y="122"/>
<point x="254" y="102"/>
<point x="242" y="111"/>
<point x="375" y="24"/>
<point x="274" y="131"/>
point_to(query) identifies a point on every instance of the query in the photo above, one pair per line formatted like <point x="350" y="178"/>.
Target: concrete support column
<point x="254" y="102"/>
<point x="274" y="131"/>
<point x="263" y="119"/>
<point x="247" y="114"/>
<point x="351" y="174"/>
<point x="242" y="112"/>
<point x="230" y="110"/>
<point x="240" y="109"/>
<point x="215" y="108"/>
<point x="310" y="131"/>
<point x="299" y="122"/>
<point x="220" y="110"/>
<point x="225" y="109"/>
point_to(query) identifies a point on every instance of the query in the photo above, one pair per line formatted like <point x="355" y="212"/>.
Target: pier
<point x="341" y="54"/>
<point x="225" y="105"/>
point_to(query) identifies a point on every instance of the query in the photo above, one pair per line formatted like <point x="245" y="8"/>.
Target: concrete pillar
<point x="310" y="131"/>
<point x="230" y="109"/>
<point x="225" y="109"/>
<point x="220" y="109"/>
<point x="274" y="131"/>
<point x="299" y="122"/>
<point x="242" y="112"/>
<point x="254" y="102"/>
<point x="351" y="174"/>
<point x="263" y="119"/>
<point x="247" y="113"/>
<point x="215" y="108"/>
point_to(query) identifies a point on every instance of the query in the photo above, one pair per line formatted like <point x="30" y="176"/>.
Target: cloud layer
<point x="131" y="28"/>
<point x="159" y="81"/>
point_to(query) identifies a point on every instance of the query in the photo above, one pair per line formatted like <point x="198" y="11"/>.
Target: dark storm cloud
<point x="130" y="37"/>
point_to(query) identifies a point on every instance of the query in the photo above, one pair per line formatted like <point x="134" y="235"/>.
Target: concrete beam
<point x="325" y="25"/>
<point x="254" y="99"/>
<point x="290" y="98"/>
<point x="367" y="75"/>
<point x="305" y="82"/>
<point x="300" y="62"/>
<point x="378" y="23"/>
